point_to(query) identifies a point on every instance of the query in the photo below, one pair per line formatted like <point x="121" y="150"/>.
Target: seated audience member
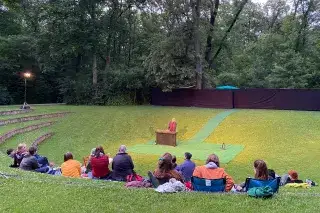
<point x="100" y="164"/>
<point x="11" y="152"/>
<point x="271" y="174"/>
<point x="293" y="177"/>
<point x="174" y="161"/>
<point x="212" y="170"/>
<point x="87" y="161"/>
<point x="165" y="170"/>
<point x="42" y="161"/>
<point x="70" y="167"/>
<point x="122" y="165"/>
<point x="29" y="162"/>
<point x="187" y="168"/>
<point x="19" y="154"/>
<point x="260" y="172"/>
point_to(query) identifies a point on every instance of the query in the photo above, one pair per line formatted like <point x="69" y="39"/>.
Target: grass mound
<point x="285" y="139"/>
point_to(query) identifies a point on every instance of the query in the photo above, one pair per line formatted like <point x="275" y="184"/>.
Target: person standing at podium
<point x="172" y="127"/>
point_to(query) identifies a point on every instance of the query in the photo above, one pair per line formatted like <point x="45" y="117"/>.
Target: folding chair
<point x="208" y="185"/>
<point x="273" y="184"/>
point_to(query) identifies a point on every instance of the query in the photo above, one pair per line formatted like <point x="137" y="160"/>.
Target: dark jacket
<point x="122" y="166"/>
<point x="42" y="161"/>
<point x="17" y="158"/>
<point x="29" y="163"/>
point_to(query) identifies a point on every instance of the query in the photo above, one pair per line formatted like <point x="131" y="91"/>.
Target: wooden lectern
<point x="165" y="137"/>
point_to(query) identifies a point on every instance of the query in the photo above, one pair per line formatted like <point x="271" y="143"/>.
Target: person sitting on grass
<point x="70" y="167"/>
<point x="42" y="161"/>
<point x="174" y="161"/>
<point x="122" y="165"/>
<point x="11" y="152"/>
<point x="165" y="170"/>
<point x="187" y="168"/>
<point x="29" y="161"/>
<point x="19" y="154"/>
<point x="100" y="164"/>
<point x="212" y="170"/>
<point x="261" y="172"/>
<point x="88" y="168"/>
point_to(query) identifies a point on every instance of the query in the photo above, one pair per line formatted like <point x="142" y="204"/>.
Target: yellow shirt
<point x="71" y="168"/>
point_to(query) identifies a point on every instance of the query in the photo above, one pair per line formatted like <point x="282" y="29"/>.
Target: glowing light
<point x="27" y="74"/>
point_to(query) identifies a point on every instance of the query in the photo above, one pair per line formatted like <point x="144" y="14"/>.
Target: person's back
<point x="29" y="163"/>
<point x="42" y="161"/>
<point x="212" y="171"/>
<point x="122" y="166"/>
<point x="165" y="170"/>
<point x="99" y="166"/>
<point x="187" y="168"/>
<point x="70" y="167"/>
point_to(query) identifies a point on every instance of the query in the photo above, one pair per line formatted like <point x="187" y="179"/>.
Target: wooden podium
<point x="165" y="137"/>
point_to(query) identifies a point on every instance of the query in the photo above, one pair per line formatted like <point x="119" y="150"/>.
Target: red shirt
<point x="100" y="166"/>
<point x="172" y="126"/>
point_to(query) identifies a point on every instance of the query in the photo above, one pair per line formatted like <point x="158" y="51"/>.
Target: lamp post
<point x="26" y="75"/>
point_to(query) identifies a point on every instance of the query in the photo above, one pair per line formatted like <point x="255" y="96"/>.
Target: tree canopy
<point x="113" y="51"/>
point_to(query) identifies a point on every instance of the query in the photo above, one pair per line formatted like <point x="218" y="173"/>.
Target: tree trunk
<point x="94" y="70"/>
<point x="229" y="29"/>
<point x="196" y="32"/>
<point x="213" y="15"/>
<point x="302" y="29"/>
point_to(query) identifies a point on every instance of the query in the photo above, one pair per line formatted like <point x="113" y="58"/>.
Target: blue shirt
<point x="186" y="169"/>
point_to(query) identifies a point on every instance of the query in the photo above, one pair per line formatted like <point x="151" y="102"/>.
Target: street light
<point x="26" y="75"/>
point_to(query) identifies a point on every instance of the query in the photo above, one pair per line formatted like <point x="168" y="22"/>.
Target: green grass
<point x="7" y="128"/>
<point x="38" y="110"/>
<point x="285" y="139"/>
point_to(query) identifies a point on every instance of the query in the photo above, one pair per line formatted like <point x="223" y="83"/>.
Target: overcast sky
<point x="259" y="1"/>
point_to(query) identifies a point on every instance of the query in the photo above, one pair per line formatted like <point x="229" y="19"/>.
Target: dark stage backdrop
<point x="283" y="99"/>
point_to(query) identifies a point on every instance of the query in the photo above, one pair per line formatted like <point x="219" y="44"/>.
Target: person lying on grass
<point x="165" y="170"/>
<point x="260" y="172"/>
<point x="70" y="167"/>
<point x="122" y="165"/>
<point x="292" y="177"/>
<point x="100" y="164"/>
<point x="212" y="170"/>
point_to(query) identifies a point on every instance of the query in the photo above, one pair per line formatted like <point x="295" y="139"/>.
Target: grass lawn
<point x="285" y="139"/>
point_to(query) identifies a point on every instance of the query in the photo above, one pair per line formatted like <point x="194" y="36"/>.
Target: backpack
<point x="260" y="192"/>
<point x="134" y="177"/>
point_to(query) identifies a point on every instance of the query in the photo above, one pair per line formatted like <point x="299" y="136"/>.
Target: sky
<point x="259" y="1"/>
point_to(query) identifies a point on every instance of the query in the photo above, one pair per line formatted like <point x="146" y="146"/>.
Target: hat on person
<point x="293" y="174"/>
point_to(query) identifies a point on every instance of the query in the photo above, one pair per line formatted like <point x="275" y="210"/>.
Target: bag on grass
<point x="260" y="192"/>
<point x="134" y="177"/>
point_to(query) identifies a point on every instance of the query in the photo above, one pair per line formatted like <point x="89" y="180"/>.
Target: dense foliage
<point x="113" y="51"/>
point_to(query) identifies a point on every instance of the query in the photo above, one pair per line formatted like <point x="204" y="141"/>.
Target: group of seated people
<point x="97" y="167"/>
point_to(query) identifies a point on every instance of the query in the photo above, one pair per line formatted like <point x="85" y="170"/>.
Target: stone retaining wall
<point x="32" y="118"/>
<point x="14" y="132"/>
<point x="42" y="138"/>
<point x="15" y="112"/>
